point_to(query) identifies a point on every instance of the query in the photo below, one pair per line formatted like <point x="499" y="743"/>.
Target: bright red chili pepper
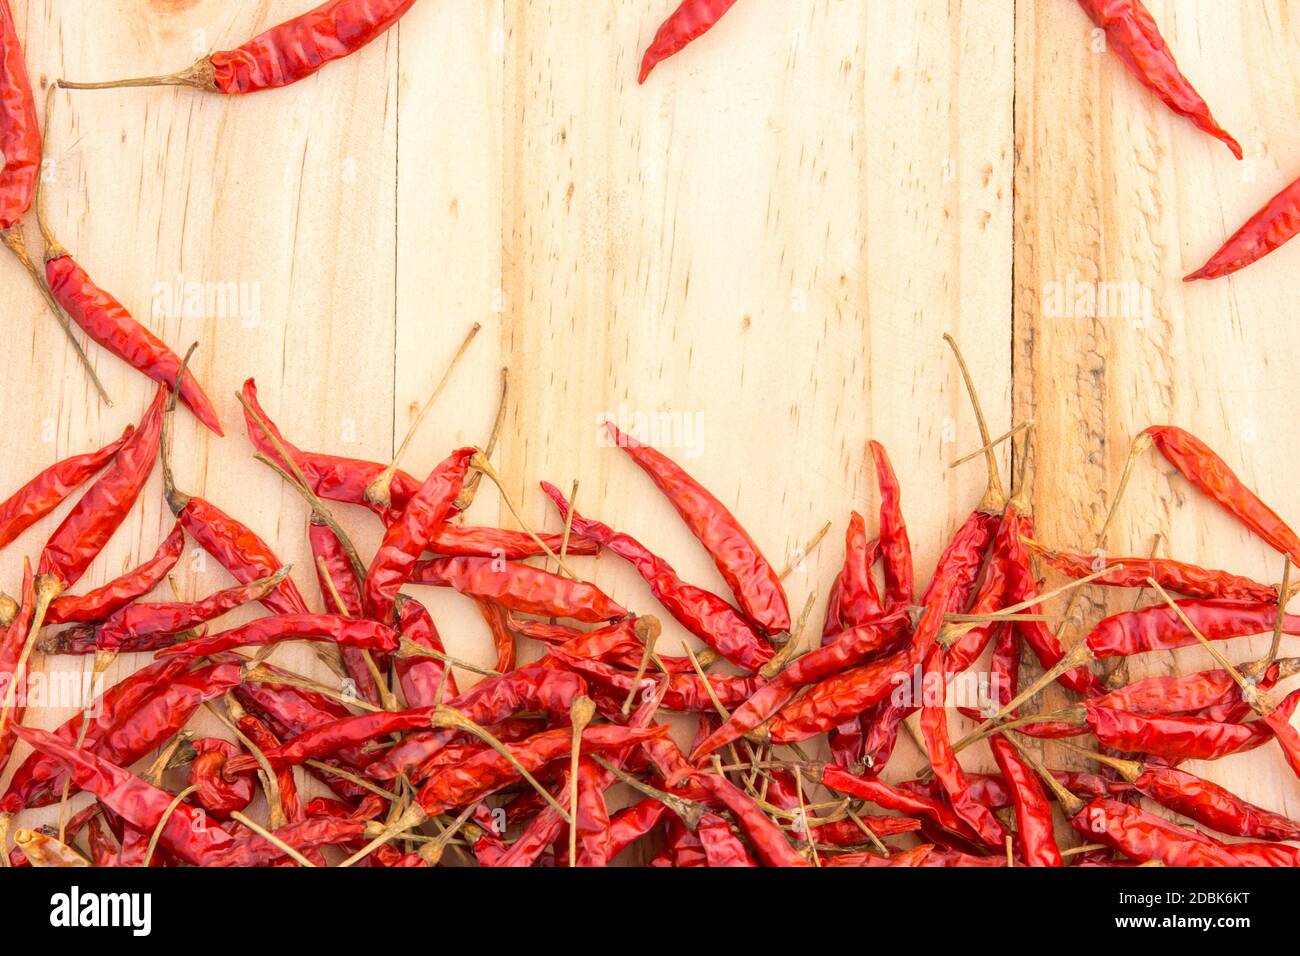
<point x="684" y="693"/>
<point x="753" y="583"/>
<point x="104" y="601"/>
<point x="422" y="678"/>
<point x="408" y="536"/>
<point x="701" y="612"/>
<point x="216" y="794"/>
<point x="687" y="23"/>
<point x="284" y="54"/>
<point x="1143" y="836"/>
<point x="854" y="598"/>
<point x="520" y="587"/>
<point x="1259" y="235"/>
<point x="335" y="575"/>
<point x="347" y="632"/>
<point x="1132" y="34"/>
<point x="888" y="797"/>
<point x="1159" y="628"/>
<point x="12" y="642"/>
<point x="20" y="138"/>
<point x="1199" y="464"/>
<point x="260" y="734"/>
<point x="36" y="499"/>
<point x="895" y="549"/>
<point x="1211" y="805"/>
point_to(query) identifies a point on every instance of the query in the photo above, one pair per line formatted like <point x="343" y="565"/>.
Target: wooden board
<point x="759" y="250"/>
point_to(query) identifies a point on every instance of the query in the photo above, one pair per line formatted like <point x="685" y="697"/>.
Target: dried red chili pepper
<point x="520" y="587"/>
<point x="13" y="641"/>
<point x="36" y="499"/>
<point x="337" y="579"/>
<point x="684" y="692"/>
<point x="1143" y="836"/>
<point x="753" y="583"/>
<point x="1132" y="34"/>
<point x="216" y="794"/>
<point x="20" y="138"/>
<point x="422" y="678"/>
<point x="854" y="598"/>
<point x="895" y="549"/>
<point x="1199" y="464"/>
<point x="893" y="798"/>
<point x="408" y="536"/>
<point x="284" y="54"/>
<point x="701" y="612"/>
<point x="104" y="601"/>
<point x="1259" y="235"/>
<point x="632" y="823"/>
<point x="1188" y="579"/>
<point x="265" y="739"/>
<point x="1200" y="694"/>
<point x="1159" y="628"/>
<point x="687" y="23"/>
<point x="347" y="632"/>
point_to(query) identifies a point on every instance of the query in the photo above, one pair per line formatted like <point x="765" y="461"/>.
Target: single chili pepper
<point x="1143" y="836"/>
<point x="632" y="823"/>
<point x="1188" y="579"/>
<point x="137" y="621"/>
<point x="284" y="54"/>
<point x="1159" y="628"/>
<point x="465" y="541"/>
<point x="217" y="795"/>
<point x="895" y="549"/>
<point x="591" y="816"/>
<point x="1132" y="34"/>
<point x="187" y="833"/>
<point x="422" y="678"/>
<point x="83" y="639"/>
<point x="916" y="856"/>
<point x="847" y="649"/>
<point x="1199" y="694"/>
<point x="848" y="833"/>
<point x="888" y="797"/>
<point x="520" y="587"/>
<point x="20" y="138"/>
<point x="13" y="698"/>
<point x="336" y="577"/>
<point x="103" y="602"/>
<point x="753" y="583"/>
<point x="488" y="771"/>
<point x="408" y="536"/>
<point x="36" y="499"/>
<point x="347" y="632"/>
<point x="1199" y="464"/>
<point x="1259" y="235"/>
<point x="684" y="693"/>
<point x="854" y="598"/>
<point x="721" y="847"/>
<point x="687" y="23"/>
<point x="265" y="739"/>
<point x="502" y="637"/>
<point x="1033" y="811"/>
<point x="701" y="612"/>
<point x="234" y="546"/>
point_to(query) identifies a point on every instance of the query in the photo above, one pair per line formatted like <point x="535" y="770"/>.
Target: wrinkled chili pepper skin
<point x="895" y="548"/>
<point x="854" y="597"/>
<point x="12" y="641"/>
<point x="335" y="575"/>
<point x="106" y="321"/>
<point x="1181" y="738"/>
<point x="893" y="798"/>
<point x="1132" y="34"/>
<point x="137" y="622"/>
<point x="687" y="23"/>
<point x="1212" y="806"/>
<point x="1159" y="628"/>
<point x="701" y="612"/>
<point x="217" y="795"/>
<point x="684" y="693"/>
<point x="421" y="678"/>
<point x="84" y="532"/>
<point x="1143" y="836"/>
<point x="297" y="48"/>
<point x="753" y="582"/>
<point x="1177" y="576"/>
<point x="1259" y="235"/>
<point x="408" y="536"/>
<point x="241" y="552"/>
<point x="36" y="499"/>
<point x="521" y="587"/>
<point x="20" y="138"/>
<point x="1201" y="466"/>
<point x="107" y="600"/>
<point x="347" y="632"/>
<point x="1186" y="694"/>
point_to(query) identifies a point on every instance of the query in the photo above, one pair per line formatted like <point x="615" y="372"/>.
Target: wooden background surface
<point x="766" y="242"/>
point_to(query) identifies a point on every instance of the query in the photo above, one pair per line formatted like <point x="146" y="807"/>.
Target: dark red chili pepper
<point x="107" y="322"/>
<point x="112" y="597"/>
<point x="1132" y="34"/>
<point x="265" y="739"/>
<point x="520" y="587"/>
<point x="1188" y="579"/>
<point x="408" y="536"/>
<point x="1143" y="836"/>
<point x="216" y="794"/>
<point x="141" y="621"/>
<point x="632" y="823"/>
<point x="687" y="23"/>
<point x="1199" y="694"/>
<point x="284" y="54"/>
<point x="34" y="500"/>
<point x="753" y="583"/>
<point x="895" y="549"/>
<point x="1259" y="235"/>
<point x="847" y="649"/>
<point x="1199" y="464"/>
<point x="347" y="632"/>
<point x="701" y="612"/>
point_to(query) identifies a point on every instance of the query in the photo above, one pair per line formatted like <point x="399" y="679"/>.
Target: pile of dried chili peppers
<point x="562" y="754"/>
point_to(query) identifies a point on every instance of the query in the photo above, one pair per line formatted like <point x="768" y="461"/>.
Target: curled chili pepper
<point x="753" y="583"/>
<point x="117" y="594"/>
<point x="215" y="794"/>
<point x="688" y="22"/>
<point x="1132" y="34"/>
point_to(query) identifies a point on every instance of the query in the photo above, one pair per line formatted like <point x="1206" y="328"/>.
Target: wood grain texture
<point x="758" y="250"/>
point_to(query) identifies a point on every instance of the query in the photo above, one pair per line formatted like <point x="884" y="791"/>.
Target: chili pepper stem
<point x="431" y="853"/>
<point x="1130" y="770"/>
<point x="272" y="839"/>
<point x="176" y="500"/>
<point x="688" y="811"/>
<point x="1259" y="668"/>
<point x="162" y="822"/>
<point x="581" y="712"/>
<point x="15" y="243"/>
<point x="963" y="623"/>
<point x="649" y="634"/>
<point x="787" y="653"/>
<point x="480" y="463"/>
<point x="470" y="487"/>
<point x="1071" y="715"/>
<point x="379" y="492"/>
<point x="1064" y="797"/>
<point x="411" y="818"/>
<point x="409" y="648"/>
<point x="993" y="444"/>
<point x="802" y="553"/>
<point x="48" y="587"/>
<point x="200" y="76"/>
<point x="994" y="495"/>
<point x="448" y="718"/>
